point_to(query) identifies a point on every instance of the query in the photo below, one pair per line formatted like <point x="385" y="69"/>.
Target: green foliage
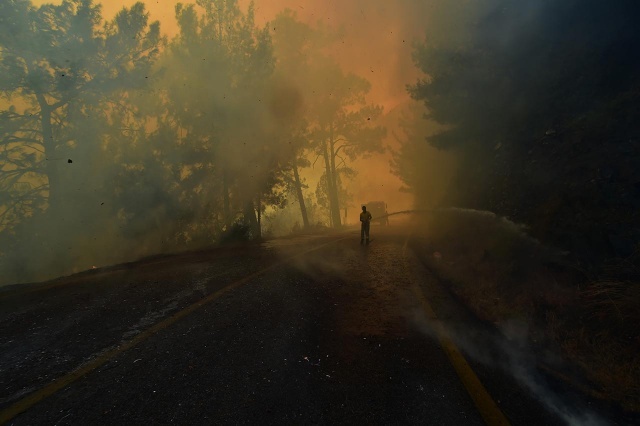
<point x="65" y="80"/>
<point x="217" y="72"/>
<point x="64" y="71"/>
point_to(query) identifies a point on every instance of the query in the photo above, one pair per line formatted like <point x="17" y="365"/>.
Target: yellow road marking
<point x="64" y="381"/>
<point x="487" y="407"/>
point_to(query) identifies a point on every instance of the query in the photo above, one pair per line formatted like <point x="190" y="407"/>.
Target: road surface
<point x="312" y="329"/>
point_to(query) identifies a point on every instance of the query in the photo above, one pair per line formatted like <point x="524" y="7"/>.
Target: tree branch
<point x="343" y="162"/>
<point x="314" y="161"/>
<point x="10" y="140"/>
<point x="344" y="146"/>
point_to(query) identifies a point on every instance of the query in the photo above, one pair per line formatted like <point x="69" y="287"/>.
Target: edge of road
<point x="18" y="289"/>
<point x="484" y="403"/>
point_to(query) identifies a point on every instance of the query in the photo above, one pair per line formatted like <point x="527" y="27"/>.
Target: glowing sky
<point x="376" y="44"/>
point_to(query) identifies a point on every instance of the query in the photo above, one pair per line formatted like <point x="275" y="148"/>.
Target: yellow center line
<point x="64" y="381"/>
<point x="487" y="407"/>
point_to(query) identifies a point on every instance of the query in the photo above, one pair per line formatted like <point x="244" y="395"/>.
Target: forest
<point x="541" y="104"/>
<point x="118" y="141"/>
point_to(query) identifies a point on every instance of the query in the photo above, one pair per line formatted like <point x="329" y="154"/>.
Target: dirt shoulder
<point x="506" y="278"/>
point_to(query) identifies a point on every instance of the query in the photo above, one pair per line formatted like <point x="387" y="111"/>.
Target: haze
<point x="495" y="141"/>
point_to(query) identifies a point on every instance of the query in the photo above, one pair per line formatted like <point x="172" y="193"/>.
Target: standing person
<point x="365" y="218"/>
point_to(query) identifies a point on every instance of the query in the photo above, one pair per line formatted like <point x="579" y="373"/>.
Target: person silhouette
<point x="365" y="219"/>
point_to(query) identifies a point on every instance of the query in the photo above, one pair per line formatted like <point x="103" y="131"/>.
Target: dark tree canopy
<point x="58" y="64"/>
<point x="540" y="103"/>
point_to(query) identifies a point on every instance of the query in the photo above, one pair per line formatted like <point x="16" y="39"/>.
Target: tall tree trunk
<point x="53" y="174"/>
<point x="259" y="211"/>
<point x="250" y="218"/>
<point x="225" y="199"/>
<point x="335" y="205"/>
<point x="303" y="208"/>
<point x="327" y="165"/>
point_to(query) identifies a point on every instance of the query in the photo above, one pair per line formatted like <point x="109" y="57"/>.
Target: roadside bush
<point x="238" y="232"/>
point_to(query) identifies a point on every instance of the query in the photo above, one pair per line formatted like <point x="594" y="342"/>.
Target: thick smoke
<point x="150" y="137"/>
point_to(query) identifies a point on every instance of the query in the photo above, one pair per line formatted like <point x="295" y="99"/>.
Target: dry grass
<point x="502" y="274"/>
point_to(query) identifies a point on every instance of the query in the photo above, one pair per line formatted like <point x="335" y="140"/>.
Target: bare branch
<point x="346" y="145"/>
<point x="314" y="161"/>
<point x="11" y="140"/>
<point x="343" y="162"/>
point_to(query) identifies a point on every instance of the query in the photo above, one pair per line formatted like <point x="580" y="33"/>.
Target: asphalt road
<point x="313" y="329"/>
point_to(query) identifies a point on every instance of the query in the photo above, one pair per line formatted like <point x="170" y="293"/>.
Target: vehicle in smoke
<point x="378" y="210"/>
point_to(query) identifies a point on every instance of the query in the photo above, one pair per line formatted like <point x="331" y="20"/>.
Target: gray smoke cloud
<point x="510" y="351"/>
